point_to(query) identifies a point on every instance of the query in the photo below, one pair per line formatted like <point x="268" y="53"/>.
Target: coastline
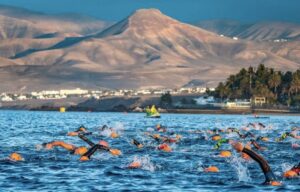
<point x="129" y="105"/>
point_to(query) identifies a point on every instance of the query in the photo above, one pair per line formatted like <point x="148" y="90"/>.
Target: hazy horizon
<point x="187" y="11"/>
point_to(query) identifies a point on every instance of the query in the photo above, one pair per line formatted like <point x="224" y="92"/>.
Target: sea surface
<point x="179" y="170"/>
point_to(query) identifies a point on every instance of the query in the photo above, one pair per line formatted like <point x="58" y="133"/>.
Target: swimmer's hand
<point x="238" y="146"/>
<point x="84" y="158"/>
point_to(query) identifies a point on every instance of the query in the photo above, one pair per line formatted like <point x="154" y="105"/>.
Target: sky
<point x="185" y="10"/>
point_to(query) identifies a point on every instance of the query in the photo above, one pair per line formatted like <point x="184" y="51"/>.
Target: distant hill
<point x="21" y="23"/>
<point x="146" y="49"/>
<point x="261" y="31"/>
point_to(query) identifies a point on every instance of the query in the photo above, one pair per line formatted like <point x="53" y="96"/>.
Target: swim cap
<point x="80" y="150"/>
<point x="225" y="154"/>
<point x="165" y="147"/>
<point x="16" y="157"/>
<point x="114" y="135"/>
<point x="211" y="169"/>
<point x="290" y="174"/>
<point x="103" y="143"/>
<point x="134" y="165"/>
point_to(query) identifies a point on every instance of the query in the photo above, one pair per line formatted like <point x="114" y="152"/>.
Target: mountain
<point x="146" y="49"/>
<point x="21" y="23"/>
<point x="261" y="31"/>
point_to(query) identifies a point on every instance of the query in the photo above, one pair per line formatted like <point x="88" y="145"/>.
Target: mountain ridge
<point x="146" y="49"/>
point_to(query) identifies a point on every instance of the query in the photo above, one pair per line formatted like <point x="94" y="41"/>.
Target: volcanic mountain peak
<point x="152" y="24"/>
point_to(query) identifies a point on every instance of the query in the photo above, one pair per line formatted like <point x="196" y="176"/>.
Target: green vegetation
<point x="166" y="100"/>
<point x="278" y="87"/>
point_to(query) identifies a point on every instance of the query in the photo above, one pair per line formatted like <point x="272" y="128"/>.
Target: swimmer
<point x="232" y="130"/>
<point x="103" y="145"/>
<point x="216" y="137"/>
<point x="265" y="139"/>
<point x="212" y="169"/>
<point x="72" y="148"/>
<point x="171" y="140"/>
<point x="246" y="135"/>
<point x="220" y="142"/>
<point x="296" y="168"/>
<point x="156" y="137"/>
<point x="285" y="135"/>
<point x="104" y="127"/>
<point x="160" y="128"/>
<point x="87" y="156"/>
<point x="134" y="165"/>
<point x="80" y="130"/>
<point x="256" y="145"/>
<point x="293" y="172"/>
<point x="137" y="144"/>
<point x="270" y="177"/>
<point x="165" y="147"/>
<point x="214" y="131"/>
<point x="15" y="157"/>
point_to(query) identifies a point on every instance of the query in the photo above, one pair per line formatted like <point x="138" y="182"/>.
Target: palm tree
<point x="295" y="84"/>
<point x="274" y="81"/>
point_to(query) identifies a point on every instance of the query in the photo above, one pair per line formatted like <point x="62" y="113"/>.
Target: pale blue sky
<point x="184" y="10"/>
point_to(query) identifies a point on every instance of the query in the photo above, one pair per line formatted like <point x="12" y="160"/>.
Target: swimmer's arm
<point x="84" y="138"/>
<point x="256" y="145"/>
<point x="262" y="163"/>
<point x="62" y="144"/>
<point x="93" y="149"/>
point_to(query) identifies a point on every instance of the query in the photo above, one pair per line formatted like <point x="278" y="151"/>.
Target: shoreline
<point x="132" y="104"/>
<point x="175" y="111"/>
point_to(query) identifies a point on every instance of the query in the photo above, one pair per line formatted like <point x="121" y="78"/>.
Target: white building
<point x="76" y="91"/>
<point x="6" y="98"/>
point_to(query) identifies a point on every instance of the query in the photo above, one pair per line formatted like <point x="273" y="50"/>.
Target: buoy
<point x="62" y="109"/>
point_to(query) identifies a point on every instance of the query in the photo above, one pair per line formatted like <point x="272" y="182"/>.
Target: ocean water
<point x="180" y="170"/>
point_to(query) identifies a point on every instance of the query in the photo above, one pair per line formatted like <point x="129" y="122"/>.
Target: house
<point x="259" y="100"/>
<point x="238" y="104"/>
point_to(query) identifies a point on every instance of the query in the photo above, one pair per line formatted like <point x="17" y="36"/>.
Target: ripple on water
<point x="180" y="170"/>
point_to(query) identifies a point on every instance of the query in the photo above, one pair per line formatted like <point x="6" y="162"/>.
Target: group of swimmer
<point x="164" y="138"/>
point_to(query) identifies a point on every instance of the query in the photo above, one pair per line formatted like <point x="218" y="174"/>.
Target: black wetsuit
<point x="94" y="147"/>
<point x="269" y="175"/>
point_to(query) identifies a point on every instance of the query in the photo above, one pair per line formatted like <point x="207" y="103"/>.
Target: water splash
<point x="286" y="166"/>
<point x="145" y="162"/>
<point x="241" y="169"/>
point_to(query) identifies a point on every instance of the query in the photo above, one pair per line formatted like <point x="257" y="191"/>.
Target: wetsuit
<point x="93" y="149"/>
<point x="220" y="142"/>
<point x="89" y="142"/>
<point x="269" y="175"/>
<point x="246" y="135"/>
<point x="284" y="136"/>
<point x="136" y="143"/>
